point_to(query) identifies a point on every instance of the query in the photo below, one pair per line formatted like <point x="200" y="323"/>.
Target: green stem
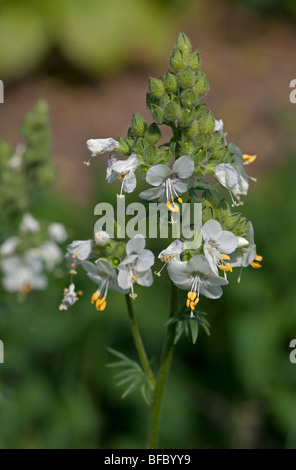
<point x="139" y="343"/>
<point x="163" y="373"/>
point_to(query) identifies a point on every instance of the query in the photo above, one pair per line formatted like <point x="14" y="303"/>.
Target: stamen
<point x="180" y="200"/>
<point x="256" y="265"/>
<point x="96" y="295"/>
<point x="258" y="258"/>
<point x="249" y="158"/>
<point x="224" y="257"/>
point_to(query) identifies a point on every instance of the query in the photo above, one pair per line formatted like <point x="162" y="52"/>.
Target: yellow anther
<point x="73" y="265"/>
<point x="96" y="295"/>
<point x="138" y="275"/>
<point x="80" y="292"/>
<point x="196" y="301"/>
<point x="192" y="305"/>
<point x="100" y="302"/>
<point x="168" y="203"/>
<point x="187" y="302"/>
<point x="121" y="175"/>
<point x="249" y="158"/>
<point x="180" y="200"/>
<point x="258" y="258"/>
<point x="224" y="257"/>
<point x="74" y="254"/>
<point x="103" y="305"/>
<point x="26" y="289"/>
<point x="223" y="267"/>
<point x="172" y="198"/>
<point x="229" y="267"/>
<point x="256" y="265"/>
<point x="133" y="278"/>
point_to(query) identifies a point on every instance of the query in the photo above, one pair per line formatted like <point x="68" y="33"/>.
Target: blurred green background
<point x="90" y="60"/>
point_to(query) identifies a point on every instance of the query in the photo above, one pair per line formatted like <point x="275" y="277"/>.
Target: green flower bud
<point x="191" y="130"/>
<point x="187" y="117"/>
<point x="172" y="111"/>
<point x="183" y="43"/>
<point x="200" y="110"/>
<point x="219" y="152"/>
<point x="207" y="123"/>
<point x="201" y="85"/>
<point x="165" y="155"/>
<point x="156" y="87"/>
<point x="189" y="98"/>
<point x="153" y="134"/>
<point x="119" y="250"/>
<point x="150" y="155"/>
<point x="157" y="114"/>
<point x="138" y="125"/>
<point x="176" y="60"/>
<point x="186" y="77"/>
<point x="194" y="61"/>
<point x="124" y="147"/>
<point x="170" y="82"/>
<point x="188" y="147"/>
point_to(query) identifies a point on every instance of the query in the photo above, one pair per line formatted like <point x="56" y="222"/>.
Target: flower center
<point x="193" y="295"/>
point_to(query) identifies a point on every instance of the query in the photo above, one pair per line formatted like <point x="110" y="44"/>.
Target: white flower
<point x="22" y="274"/>
<point x="49" y="253"/>
<point x="246" y="255"/>
<point x="169" y="182"/>
<point x="102" y="238"/>
<point x="78" y="251"/>
<point x="197" y="277"/>
<point x="57" y="232"/>
<point x="218" y="125"/>
<point x="233" y="176"/>
<point x="218" y="244"/>
<point x="172" y="252"/>
<point x="105" y="276"/>
<point x="99" y="146"/>
<point x="124" y="171"/>
<point x="136" y="266"/>
<point x="70" y="297"/>
<point x="8" y="247"/>
<point x="29" y="224"/>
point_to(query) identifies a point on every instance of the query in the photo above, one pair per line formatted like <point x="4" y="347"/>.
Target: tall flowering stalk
<point x="197" y="165"/>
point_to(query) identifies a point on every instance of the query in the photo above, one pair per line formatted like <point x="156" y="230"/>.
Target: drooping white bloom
<point x="233" y="176"/>
<point x="78" y="251"/>
<point x="197" y="277"/>
<point x="124" y="171"/>
<point x="102" y="238"/>
<point x="100" y="146"/>
<point x="218" y="244"/>
<point x="57" y="232"/>
<point x="70" y="297"/>
<point x="246" y="255"/>
<point x="169" y="182"/>
<point x="136" y="266"/>
<point x="22" y="274"/>
<point x="104" y="275"/>
<point x="9" y="246"/>
<point x="172" y="252"/>
<point x="29" y="224"/>
<point x="218" y="125"/>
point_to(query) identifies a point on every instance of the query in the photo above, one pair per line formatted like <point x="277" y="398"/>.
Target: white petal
<point x="227" y="175"/>
<point x="145" y="278"/>
<point x="156" y="174"/>
<point x="145" y="260"/>
<point x="210" y="229"/>
<point x="227" y="242"/>
<point x="212" y="292"/>
<point x="129" y="183"/>
<point x="152" y="193"/>
<point x="180" y="274"/>
<point x="124" y="277"/>
<point x="98" y="146"/>
<point x="183" y="167"/>
<point x="199" y="264"/>
<point x="135" y="245"/>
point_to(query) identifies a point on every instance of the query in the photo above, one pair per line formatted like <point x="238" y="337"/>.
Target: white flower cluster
<point x="26" y="257"/>
<point x="135" y="268"/>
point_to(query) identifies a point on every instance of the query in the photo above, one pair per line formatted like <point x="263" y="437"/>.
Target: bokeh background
<point x="90" y="61"/>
